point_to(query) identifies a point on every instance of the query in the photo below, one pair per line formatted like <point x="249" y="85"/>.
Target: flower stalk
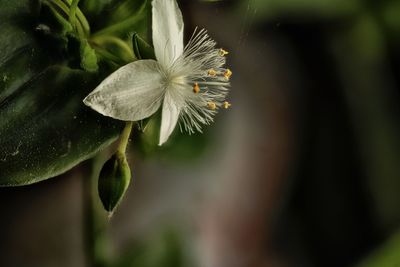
<point x="124" y="138"/>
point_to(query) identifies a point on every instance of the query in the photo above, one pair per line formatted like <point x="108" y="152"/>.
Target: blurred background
<point x="303" y="170"/>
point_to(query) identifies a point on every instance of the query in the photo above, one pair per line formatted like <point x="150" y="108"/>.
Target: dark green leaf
<point x="45" y="129"/>
<point x="141" y="48"/>
<point x="121" y="18"/>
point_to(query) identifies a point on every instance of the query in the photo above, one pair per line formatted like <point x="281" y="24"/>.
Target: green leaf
<point x="125" y="17"/>
<point x="44" y="127"/>
<point x="16" y="8"/>
<point x="141" y="48"/>
<point x="94" y="7"/>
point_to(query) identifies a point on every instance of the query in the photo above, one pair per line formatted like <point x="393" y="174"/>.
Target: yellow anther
<point x="223" y="52"/>
<point x="227" y="74"/>
<point x="211" y="105"/>
<point x="227" y="104"/>
<point x="212" y="72"/>
<point x="196" y="88"/>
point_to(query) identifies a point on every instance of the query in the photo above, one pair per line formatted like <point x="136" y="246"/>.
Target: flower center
<point x="175" y="81"/>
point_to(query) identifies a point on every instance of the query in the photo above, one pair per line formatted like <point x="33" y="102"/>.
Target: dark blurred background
<point x="303" y="170"/>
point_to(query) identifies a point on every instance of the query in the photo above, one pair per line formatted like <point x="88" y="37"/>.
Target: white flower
<point x="189" y="82"/>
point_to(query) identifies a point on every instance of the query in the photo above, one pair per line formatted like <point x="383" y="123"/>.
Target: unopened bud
<point x="141" y="48"/>
<point x="114" y="181"/>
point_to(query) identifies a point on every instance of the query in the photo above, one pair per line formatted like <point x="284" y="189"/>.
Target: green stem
<point x="83" y="21"/>
<point x="125" y="24"/>
<point x="72" y="11"/>
<point x="80" y="16"/>
<point x="117" y="27"/>
<point x="61" y="5"/>
<point x="100" y="40"/>
<point x="95" y="225"/>
<point x="124" y="139"/>
<point x="101" y="52"/>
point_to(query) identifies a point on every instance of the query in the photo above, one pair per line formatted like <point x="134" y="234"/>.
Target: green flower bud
<point x="114" y="181"/>
<point x="142" y="49"/>
<point x="88" y="57"/>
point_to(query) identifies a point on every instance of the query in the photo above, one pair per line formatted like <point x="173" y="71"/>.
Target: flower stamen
<point x="227" y="74"/>
<point x="212" y="73"/>
<point x="223" y="52"/>
<point x="227" y="104"/>
<point x="211" y="105"/>
<point x="196" y="88"/>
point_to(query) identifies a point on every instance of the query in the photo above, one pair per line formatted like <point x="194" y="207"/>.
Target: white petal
<point x="169" y="118"/>
<point x="131" y="93"/>
<point x="167" y="31"/>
